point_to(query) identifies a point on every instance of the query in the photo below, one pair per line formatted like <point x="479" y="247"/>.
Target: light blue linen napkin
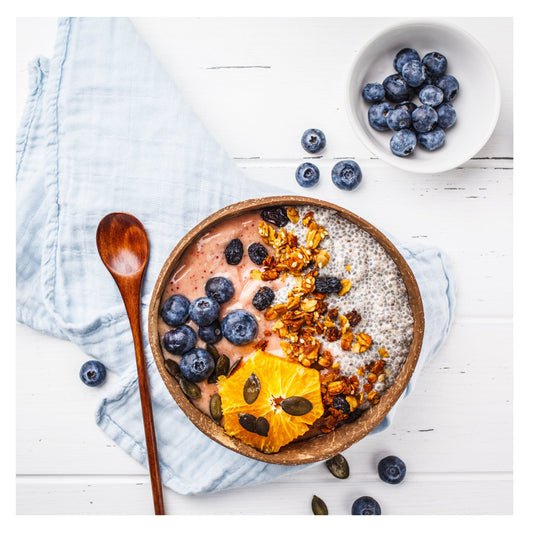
<point x="105" y="129"/>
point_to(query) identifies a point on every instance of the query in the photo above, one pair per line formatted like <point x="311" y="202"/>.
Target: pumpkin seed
<point x="318" y="506"/>
<point x="172" y="367"/>
<point x="222" y="366"/>
<point x="251" y="389"/>
<point x="262" y="426"/>
<point x="215" y="407"/>
<point x="213" y="351"/>
<point x="248" y="422"/>
<point x="234" y="366"/>
<point x="189" y="389"/>
<point x="338" y="466"/>
<point x="296" y="405"/>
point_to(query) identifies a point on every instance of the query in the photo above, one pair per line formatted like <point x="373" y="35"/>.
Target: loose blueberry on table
<point x="93" y="373"/>
<point x="307" y="175"/>
<point x="392" y="470"/>
<point x="366" y="505"/>
<point x="346" y="175"/>
<point x="313" y="140"/>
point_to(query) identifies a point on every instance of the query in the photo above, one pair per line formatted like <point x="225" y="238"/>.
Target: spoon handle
<point x="133" y="306"/>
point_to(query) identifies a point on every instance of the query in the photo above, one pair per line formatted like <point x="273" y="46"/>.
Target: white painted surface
<point x="455" y="430"/>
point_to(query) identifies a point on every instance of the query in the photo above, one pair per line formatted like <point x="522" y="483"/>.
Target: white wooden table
<point x="258" y="84"/>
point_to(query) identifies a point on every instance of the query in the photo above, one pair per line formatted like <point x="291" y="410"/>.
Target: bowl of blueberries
<point x="423" y="96"/>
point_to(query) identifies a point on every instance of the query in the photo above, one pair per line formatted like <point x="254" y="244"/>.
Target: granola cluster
<point x="305" y="319"/>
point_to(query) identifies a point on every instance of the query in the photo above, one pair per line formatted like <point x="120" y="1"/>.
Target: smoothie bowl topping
<point x="284" y="323"/>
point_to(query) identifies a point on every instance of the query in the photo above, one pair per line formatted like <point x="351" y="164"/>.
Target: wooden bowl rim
<point x="325" y="446"/>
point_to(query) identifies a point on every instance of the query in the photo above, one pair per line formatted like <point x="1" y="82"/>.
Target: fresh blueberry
<point x="373" y="93"/>
<point x="403" y="142"/>
<point x="313" y="140"/>
<point x="204" y="310"/>
<point x="239" y="327"/>
<point x="432" y="139"/>
<point x="396" y="89"/>
<point x="346" y="175"/>
<point x="377" y="115"/>
<point x="431" y="95"/>
<point x="234" y="251"/>
<point x="404" y="55"/>
<point x="257" y="253"/>
<point x="408" y="106"/>
<point x="93" y="373"/>
<point x="307" y="175"/>
<point x="263" y="298"/>
<point x="175" y="310"/>
<point x="424" y="118"/>
<point x="447" y="116"/>
<point x="414" y="73"/>
<point x="220" y="289"/>
<point x="391" y="469"/>
<point x="449" y="86"/>
<point x="197" y="365"/>
<point x="398" y="119"/>
<point x="366" y="505"/>
<point x="212" y="333"/>
<point x="179" y="340"/>
<point x="436" y="64"/>
<point x="327" y="284"/>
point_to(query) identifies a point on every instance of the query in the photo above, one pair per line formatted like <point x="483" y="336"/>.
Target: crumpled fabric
<point x="106" y="129"/>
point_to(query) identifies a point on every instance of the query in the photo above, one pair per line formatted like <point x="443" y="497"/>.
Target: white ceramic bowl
<point x="477" y="103"/>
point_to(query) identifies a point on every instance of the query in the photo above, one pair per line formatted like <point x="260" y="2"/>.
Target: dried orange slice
<point x="270" y="401"/>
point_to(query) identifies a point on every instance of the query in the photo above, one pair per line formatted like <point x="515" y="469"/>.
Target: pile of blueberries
<point x="392" y="107"/>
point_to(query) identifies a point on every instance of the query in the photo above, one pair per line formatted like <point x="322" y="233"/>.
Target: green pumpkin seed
<point x="213" y="351"/>
<point x="318" y="506"/>
<point x="251" y="389"/>
<point x="222" y="366"/>
<point x="262" y="426"/>
<point x="248" y="422"/>
<point x="172" y="367"/>
<point x="338" y="466"/>
<point x="189" y="389"/>
<point x="296" y="405"/>
<point x="234" y="366"/>
<point x="215" y="407"/>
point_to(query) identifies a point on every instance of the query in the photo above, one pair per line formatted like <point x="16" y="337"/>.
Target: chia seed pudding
<point x="356" y="333"/>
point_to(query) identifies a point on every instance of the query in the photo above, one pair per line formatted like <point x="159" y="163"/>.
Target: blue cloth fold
<point x="105" y="129"/>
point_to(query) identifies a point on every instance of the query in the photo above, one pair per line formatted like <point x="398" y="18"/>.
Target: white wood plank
<point x="468" y="385"/>
<point x="419" y="494"/>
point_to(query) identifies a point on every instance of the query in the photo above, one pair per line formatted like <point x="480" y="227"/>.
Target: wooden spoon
<point x="123" y="246"/>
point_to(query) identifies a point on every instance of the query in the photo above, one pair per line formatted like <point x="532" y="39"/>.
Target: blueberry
<point x="424" y="118"/>
<point x="327" y="284"/>
<point x="197" y="365"/>
<point x="179" y="340"/>
<point x="257" y="253"/>
<point x="263" y="298"/>
<point x="432" y="139"/>
<point x="398" y="119"/>
<point x="175" y="310"/>
<point x="366" y="505"/>
<point x="414" y="73"/>
<point x="373" y="93"/>
<point x="210" y="334"/>
<point x="346" y="175"/>
<point x="233" y="252"/>
<point x="204" y="310"/>
<point x="220" y="289"/>
<point x="377" y="115"/>
<point x="396" y="89"/>
<point x="239" y="327"/>
<point x="431" y="95"/>
<point x="340" y="403"/>
<point x="307" y="175"/>
<point x="391" y="469"/>
<point x="403" y="56"/>
<point x="449" y="86"/>
<point x="313" y="140"/>
<point x="408" y="106"/>
<point x="93" y="373"/>
<point x="447" y="116"/>
<point x="403" y="142"/>
<point x="435" y="63"/>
